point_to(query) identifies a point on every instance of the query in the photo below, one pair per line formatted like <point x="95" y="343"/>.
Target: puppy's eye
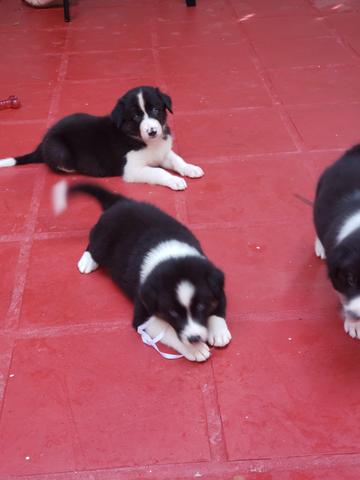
<point x="174" y="313"/>
<point x="137" y="117"/>
<point x="155" y="111"/>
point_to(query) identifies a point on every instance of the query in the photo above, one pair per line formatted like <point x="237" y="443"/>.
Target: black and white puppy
<point x="134" y="141"/>
<point x="337" y="223"/>
<point x="159" y="264"/>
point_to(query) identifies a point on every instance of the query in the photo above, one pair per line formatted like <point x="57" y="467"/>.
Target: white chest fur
<point x="152" y="155"/>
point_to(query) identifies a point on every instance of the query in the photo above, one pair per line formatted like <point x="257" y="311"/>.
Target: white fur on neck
<point x="165" y="251"/>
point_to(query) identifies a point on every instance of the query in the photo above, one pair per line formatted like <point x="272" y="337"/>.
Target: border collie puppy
<point x="159" y="264"/>
<point x="337" y="223"/>
<point x="134" y="141"/>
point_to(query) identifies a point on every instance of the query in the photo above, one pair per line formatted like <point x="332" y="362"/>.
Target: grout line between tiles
<point x="215" y="427"/>
<point x="263" y="75"/>
<point x="121" y="323"/>
<point x="207" y="470"/>
<point x="13" y="315"/>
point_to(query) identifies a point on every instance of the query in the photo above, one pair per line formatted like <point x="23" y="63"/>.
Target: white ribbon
<point x="145" y="337"/>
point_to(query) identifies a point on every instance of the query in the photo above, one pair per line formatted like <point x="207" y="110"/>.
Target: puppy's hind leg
<point x="87" y="264"/>
<point x="57" y="156"/>
<point x="319" y="249"/>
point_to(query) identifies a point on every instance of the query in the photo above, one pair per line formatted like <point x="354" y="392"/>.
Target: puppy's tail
<point x="62" y="190"/>
<point x="33" y="157"/>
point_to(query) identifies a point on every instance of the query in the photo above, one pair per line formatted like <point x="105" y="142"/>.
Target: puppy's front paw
<point x="177" y="183"/>
<point x="352" y="328"/>
<point x="199" y="352"/>
<point x="218" y="332"/>
<point x="191" y="171"/>
<point x="87" y="264"/>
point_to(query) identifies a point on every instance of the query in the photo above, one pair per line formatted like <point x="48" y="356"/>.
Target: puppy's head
<point x="142" y="112"/>
<point x="344" y="272"/>
<point x="185" y="293"/>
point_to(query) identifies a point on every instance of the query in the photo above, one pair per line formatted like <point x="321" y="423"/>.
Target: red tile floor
<point x="266" y="93"/>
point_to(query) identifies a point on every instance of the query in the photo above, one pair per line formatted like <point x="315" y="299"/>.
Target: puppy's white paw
<point x="87" y="264"/>
<point x="191" y="171"/>
<point x="319" y="249"/>
<point x="177" y="183"/>
<point x="352" y="328"/>
<point x="218" y="332"/>
<point x="198" y="352"/>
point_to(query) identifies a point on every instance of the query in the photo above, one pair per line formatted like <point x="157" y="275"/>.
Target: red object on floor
<point x="266" y="94"/>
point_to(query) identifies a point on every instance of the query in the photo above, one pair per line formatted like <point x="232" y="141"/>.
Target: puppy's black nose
<point x="152" y="133"/>
<point x="194" y="339"/>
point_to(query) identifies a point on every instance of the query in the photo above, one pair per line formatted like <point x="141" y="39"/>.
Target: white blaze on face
<point x="150" y="128"/>
<point x="185" y="293"/>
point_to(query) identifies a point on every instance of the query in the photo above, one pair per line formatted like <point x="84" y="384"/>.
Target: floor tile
<point x="197" y="92"/>
<point x="36" y="41"/>
<point x="84" y="406"/>
<point x="16" y="190"/>
<point x="335" y="7"/>
<point x="299" y="365"/>
<point x="12" y="143"/>
<point x="195" y="59"/>
<point x="180" y="34"/>
<point x="34" y="68"/>
<point x="263" y="28"/>
<point x="271" y="271"/>
<point x="125" y="36"/>
<point x="263" y="8"/>
<point x="9" y="254"/>
<point x="328" y="126"/>
<point x="345" y="23"/>
<point x="304" y="52"/>
<point x="35" y="99"/>
<point x="43" y="301"/>
<point x="128" y="63"/>
<point x="259" y="130"/>
<point x="317" y="85"/>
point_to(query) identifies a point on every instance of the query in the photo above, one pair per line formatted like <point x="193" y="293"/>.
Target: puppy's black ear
<point x="165" y="99"/>
<point x="216" y="281"/>
<point x="149" y="297"/>
<point x="117" y="115"/>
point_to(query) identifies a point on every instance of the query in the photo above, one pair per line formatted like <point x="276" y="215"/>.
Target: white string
<point x="145" y="337"/>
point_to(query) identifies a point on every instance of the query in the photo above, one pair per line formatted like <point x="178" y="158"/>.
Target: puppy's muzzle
<point x="152" y="132"/>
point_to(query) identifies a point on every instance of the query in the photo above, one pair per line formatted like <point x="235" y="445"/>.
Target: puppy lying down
<point x="159" y="264"/>
<point x="134" y="142"/>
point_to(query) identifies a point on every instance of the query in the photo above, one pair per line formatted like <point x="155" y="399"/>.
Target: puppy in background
<point x="134" y="142"/>
<point x="159" y="264"/>
<point x="337" y="223"/>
